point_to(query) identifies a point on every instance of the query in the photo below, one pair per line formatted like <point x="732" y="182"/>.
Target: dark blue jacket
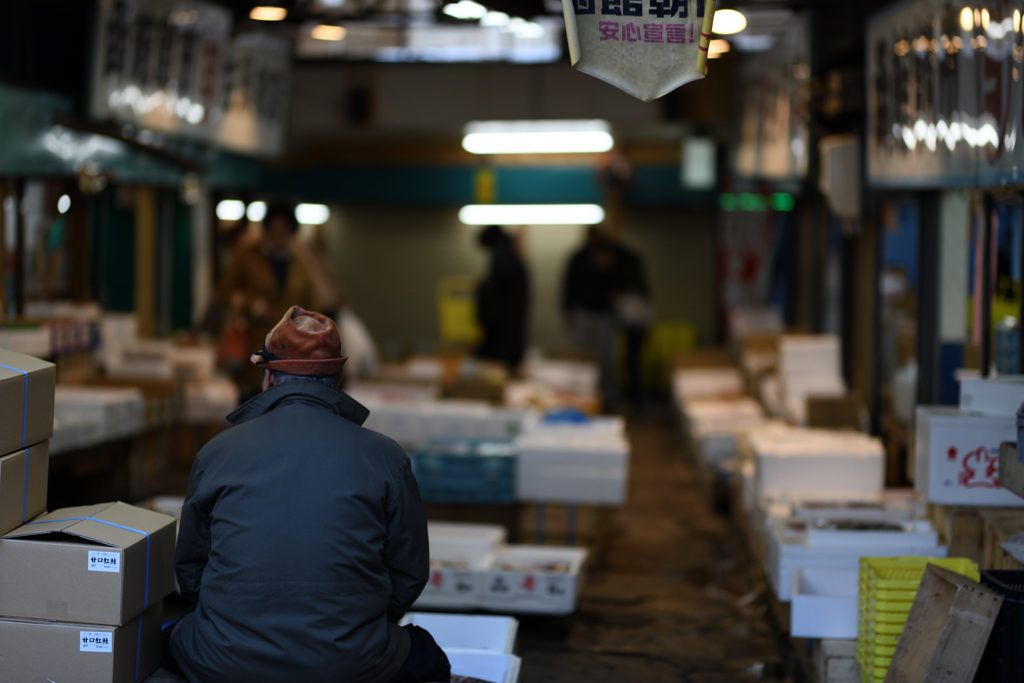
<point x="303" y="539"/>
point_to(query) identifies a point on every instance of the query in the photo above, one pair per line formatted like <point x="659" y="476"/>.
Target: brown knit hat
<point x="303" y="343"/>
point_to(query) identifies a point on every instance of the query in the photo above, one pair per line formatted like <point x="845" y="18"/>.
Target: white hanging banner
<point x="647" y="48"/>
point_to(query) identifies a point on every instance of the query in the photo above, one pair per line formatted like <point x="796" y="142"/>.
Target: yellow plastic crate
<point x="872" y="604"/>
<point x="905" y="573"/>
<point x="887" y="587"/>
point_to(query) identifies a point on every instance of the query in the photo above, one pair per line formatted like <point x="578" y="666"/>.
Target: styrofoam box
<point x="535" y="591"/>
<point x="117" y="411"/>
<point x="468" y="631"/>
<point x="405" y="423"/>
<point x="917" y="533"/>
<point x="787" y="550"/>
<point x="824" y="603"/>
<point x="957" y="457"/>
<point x="484" y="536"/>
<point x="561" y="469"/>
<point x="995" y="396"/>
<point x="810" y="354"/>
<point x="487" y="666"/>
<point x="889" y="505"/>
<point x="706" y="382"/>
<point x="455" y="419"/>
<point x="595" y="426"/>
<point x="451" y="587"/>
<point x="842" y="463"/>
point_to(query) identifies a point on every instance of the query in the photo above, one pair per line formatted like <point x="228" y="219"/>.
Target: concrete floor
<point x="669" y="597"/>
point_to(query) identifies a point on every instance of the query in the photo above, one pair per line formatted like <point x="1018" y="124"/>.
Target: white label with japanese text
<point x="104" y="562"/>
<point x="98" y="641"/>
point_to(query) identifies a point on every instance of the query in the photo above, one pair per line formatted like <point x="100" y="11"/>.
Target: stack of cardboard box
<point x="81" y="589"/>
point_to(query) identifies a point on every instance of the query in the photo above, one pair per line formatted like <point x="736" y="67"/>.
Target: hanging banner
<point x="255" y="104"/>
<point x="157" y="64"/>
<point x="647" y="48"/>
<point x="945" y="97"/>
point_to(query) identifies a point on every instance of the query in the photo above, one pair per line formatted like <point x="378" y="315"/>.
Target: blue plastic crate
<point x="466" y="471"/>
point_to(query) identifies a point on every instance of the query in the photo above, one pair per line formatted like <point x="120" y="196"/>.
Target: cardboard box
<point x="824" y="603"/>
<point x="49" y="651"/>
<point x="26" y="393"/>
<point x="23" y="476"/>
<point x="956" y="457"/>
<point x="995" y="396"/>
<point x="87" y="564"/>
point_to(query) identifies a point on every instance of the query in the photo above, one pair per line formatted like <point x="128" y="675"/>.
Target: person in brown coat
<point x="264" y="279"/>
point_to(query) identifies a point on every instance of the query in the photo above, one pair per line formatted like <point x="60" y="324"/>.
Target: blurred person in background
<point x="502" y="301"/>
<point x="587" y="306"/>
<point x="262" y="280"/>
<point x="631" y="297"/>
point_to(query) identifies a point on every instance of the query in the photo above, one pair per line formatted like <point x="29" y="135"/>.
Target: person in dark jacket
<point x="588" y="307"/>
<point x="303" y="537"/>
<point x="631" y="296"/>
<point x="502" y="300"/>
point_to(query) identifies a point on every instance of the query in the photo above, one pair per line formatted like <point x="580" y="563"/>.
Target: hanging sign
<point x="157" y="64"/>
<point x="256" y="81"/>
<point x="647" y="48"/>
<point x="945" y="96"/>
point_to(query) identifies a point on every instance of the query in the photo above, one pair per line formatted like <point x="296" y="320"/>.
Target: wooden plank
<point x="836" y="661"/>
<point x="1011" y="470"/>
<point x="1000" y="526"/>
<point x="145" y="261"/>
<point x="961" y="529"/>
<point x="946" y="631"/>
<point x="842" y="412"/>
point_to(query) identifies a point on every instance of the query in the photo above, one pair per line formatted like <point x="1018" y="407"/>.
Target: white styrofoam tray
<point x="468" y="631"/>
<point x="824" y="603"/>
<point x="455" y="587"/>
<point x="487" y="666"/>
<point x="487" y="536"/>
<point x="536" y="590"/>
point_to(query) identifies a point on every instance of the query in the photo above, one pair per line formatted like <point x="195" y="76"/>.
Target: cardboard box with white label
<point x="23" y="477"/>
<point x="83" y="653"/>
<point x="26" y="394"/>
<point x="96" y="564"/>
<point x="957" y="457"/>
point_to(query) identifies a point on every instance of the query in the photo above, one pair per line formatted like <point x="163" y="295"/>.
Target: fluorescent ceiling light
<point x="728" y="21"/>
<point x="494" y="19"/>
<point x="230" y="210"/>
<point x="753" y="43"/>
<point x="465" y="9"/>
<point x="64" y="203"/>
<point x="327" y="32"/>
<point x="256" y="211"/>
<point x="268" y="13"/>
<point x="717" y="48"/>
<point x="312" y="214"/>
<point x="525" y="29"/>
<point x="537" y="137"/>
<point x="531" y="214"/>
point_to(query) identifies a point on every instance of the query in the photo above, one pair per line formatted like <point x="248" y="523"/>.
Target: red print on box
<point x="980" y="470"/>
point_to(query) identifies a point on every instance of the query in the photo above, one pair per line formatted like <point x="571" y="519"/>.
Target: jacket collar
<point x="305" y="392"/>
